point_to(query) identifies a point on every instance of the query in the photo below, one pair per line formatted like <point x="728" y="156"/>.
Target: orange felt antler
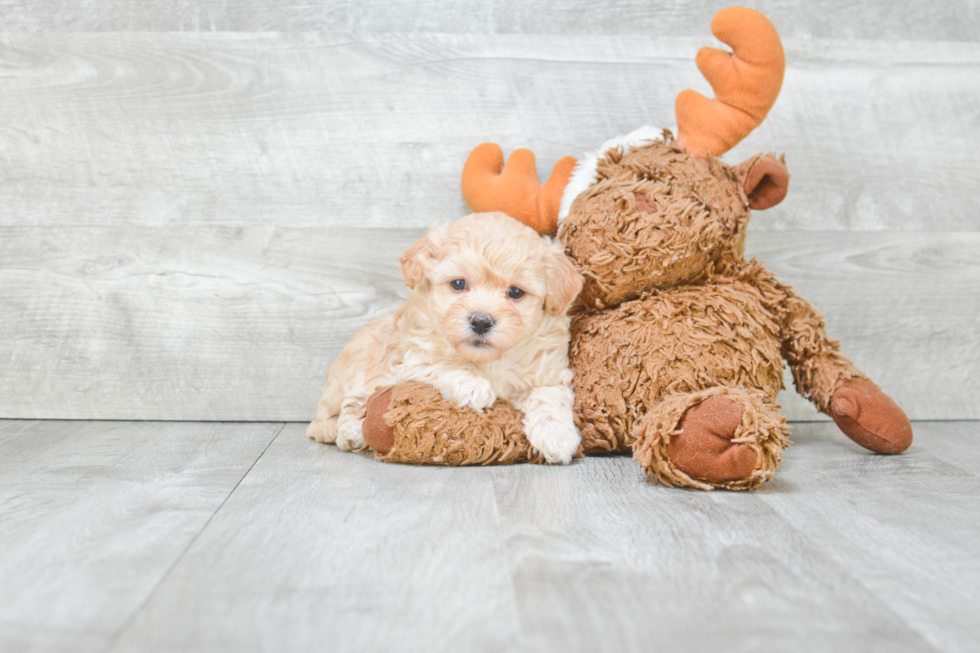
<point x="489" y="185"/>
<point x="746" y="83"/>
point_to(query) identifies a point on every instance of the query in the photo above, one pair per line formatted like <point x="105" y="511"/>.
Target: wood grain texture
<point x="242" y="323"/>
<point x="94" y="514"/>
<point x="333" y="130"/>
<point x="222" y="323"/>
<point x="904" y="307"/>
<point x="948" y="21"/>
<point x="956" y="445"/>
<point x="321" y="549"/>
<point x="873" y="514"/>
<point x="194" y="223"/>
<point x="340" y="553"/>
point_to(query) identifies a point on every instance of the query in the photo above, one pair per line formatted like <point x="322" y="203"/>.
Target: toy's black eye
<point x="458" y="284"/>
<point x="515" y="293"/>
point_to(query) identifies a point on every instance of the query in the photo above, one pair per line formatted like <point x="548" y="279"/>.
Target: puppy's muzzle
<point x="481" y="323"/>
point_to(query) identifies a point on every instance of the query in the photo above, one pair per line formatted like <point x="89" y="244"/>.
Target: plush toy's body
<point x="676" y="324"/>
<point x="678" y="341"/>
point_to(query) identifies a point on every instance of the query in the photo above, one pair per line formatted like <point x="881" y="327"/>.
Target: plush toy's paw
<point x="377" y="434"/>
<point x="476" y="393"/>
<point x="869" y="417"/>
<point x="324" y="431"/>
<point x="350" y="436"/>
<point x="704" y="449"/>
<point x="555" y="441"/>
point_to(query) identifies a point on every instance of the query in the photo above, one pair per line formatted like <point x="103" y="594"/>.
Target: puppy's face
<point x="487" y="280"/>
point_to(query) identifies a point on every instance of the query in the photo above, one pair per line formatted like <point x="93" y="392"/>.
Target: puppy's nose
<point x="481" y="323"/>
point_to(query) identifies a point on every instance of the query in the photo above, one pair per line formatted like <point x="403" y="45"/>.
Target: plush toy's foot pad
<point x="719" y="437"/>
<point x="869" y="417"/>
<point x="378" y="435"/>
<point x="704" y="449"/>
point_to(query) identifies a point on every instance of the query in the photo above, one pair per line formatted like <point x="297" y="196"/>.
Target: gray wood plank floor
<point x="123" y="536"/>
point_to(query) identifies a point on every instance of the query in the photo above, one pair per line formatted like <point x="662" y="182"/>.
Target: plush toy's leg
<point x="721" y="437"/>
<point x="412" y="423"/>
<point x="835" y="385"/>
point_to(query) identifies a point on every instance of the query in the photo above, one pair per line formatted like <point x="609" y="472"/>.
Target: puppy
<point x="485" y="318"/>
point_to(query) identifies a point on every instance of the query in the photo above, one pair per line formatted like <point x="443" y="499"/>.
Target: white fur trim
<point x="583" y="175"/>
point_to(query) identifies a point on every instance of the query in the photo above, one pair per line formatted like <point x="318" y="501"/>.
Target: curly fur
<point x="763" y="429"/>
<point x="428" y="430"/>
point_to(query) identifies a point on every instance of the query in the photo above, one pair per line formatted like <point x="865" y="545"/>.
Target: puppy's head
<point x="487" y="281"/>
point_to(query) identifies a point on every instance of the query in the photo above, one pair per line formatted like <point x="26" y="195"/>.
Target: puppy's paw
<point x="324" y="431"/>
<point x="554" y="440"/>
<point x="350" y="437"/>
<point x="476" y="394"/>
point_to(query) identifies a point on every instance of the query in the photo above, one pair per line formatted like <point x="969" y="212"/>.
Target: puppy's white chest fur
<point x="506" y="378"/>
<point x="540" y="360"/>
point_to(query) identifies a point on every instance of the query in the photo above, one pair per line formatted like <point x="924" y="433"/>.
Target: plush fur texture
<point x="678" y="342"/>
<point x="424" y="429"/>
<point x="485" y="319"/>
<point x="584" y="173"/>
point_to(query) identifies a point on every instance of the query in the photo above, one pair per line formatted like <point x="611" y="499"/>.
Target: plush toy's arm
<point x="412" y="423"/>
<point x="833" y="383"/>
<point x="818" y="367"/>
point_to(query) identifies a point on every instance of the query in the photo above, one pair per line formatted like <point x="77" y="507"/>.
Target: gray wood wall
<point x="201" y="201"/>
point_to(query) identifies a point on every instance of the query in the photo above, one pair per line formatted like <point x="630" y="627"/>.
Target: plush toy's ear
<point x="563" y="283"/>
<point x="418" y="258"/>
<point x="765" y="179"/>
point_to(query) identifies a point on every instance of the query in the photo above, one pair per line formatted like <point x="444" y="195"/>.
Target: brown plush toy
<point x="678" y="341"/>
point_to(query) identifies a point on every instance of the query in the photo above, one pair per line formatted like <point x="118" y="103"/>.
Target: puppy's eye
<point x="515" y="293"/>
<point x="458" y="284"/>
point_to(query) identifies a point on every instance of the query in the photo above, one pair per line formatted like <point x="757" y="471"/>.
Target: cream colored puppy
<point x="485" y="318"/>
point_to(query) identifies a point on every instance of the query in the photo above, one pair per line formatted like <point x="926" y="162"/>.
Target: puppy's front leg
<point x="458" y="385"/>
<point x="351" y="419"/>
<point x="548" y="422"/>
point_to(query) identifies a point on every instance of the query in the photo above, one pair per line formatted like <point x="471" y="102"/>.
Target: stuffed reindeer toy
<point x="677" y="341"/>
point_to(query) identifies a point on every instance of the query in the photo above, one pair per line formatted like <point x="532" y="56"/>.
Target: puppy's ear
<point x="562" y="281"/>
<point x="419" y="257"/>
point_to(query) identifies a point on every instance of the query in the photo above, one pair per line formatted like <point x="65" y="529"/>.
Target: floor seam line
<point x="127" y="624"/>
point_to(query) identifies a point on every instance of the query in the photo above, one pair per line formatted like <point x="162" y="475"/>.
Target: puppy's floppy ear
<point x="562" y="281"/>
<point x="419" y="257"/>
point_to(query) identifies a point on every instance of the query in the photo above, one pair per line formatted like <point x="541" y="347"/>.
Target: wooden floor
<point x="166" y="536"/>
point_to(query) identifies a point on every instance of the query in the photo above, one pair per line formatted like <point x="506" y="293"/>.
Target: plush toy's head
<point x="647" y="211"/>
<point x="658" y="217"/>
